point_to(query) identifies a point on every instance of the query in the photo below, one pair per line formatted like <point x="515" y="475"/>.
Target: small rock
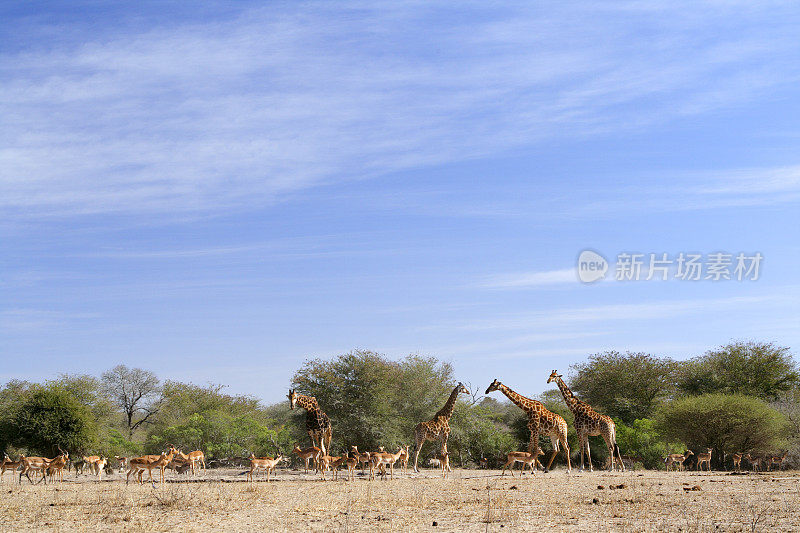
<point x="600" y="487"/>
<point x="513" y="487"/>
<point x="595" y="500"/>
<point x="435" y="523"/>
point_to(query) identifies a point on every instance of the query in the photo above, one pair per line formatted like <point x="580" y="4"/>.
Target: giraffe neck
<point x="309" y="403"/>
<point x="519" y="400"/>
<point x="447" y="410"/>
<point x="569" y="398"/>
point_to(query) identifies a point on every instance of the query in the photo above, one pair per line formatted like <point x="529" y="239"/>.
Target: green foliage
<point x="222" y="425"/>
<point x="371" y="400"/>
<point x="50" y="417"/>
<point x="758" y="369"/>
<point x="474" y="434"/>
<point x="625" y="386"/>
<point x="728" y="423"/>
<point x="11" y="398"/>
<point x="643" y="441"/>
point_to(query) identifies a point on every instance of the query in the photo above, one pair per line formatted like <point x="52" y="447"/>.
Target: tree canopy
<point x="758" y="369"/>
<point x="728" y="423"/>
<point x="50" y="418"/>
<point x="626" y="386"/>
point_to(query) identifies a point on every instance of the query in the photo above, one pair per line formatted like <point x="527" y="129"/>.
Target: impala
<point x="122" y="461"/>
<point x="56" y="466"/>
<point x="36" y="464"/>
<point x="677" y="459"/>
<point x="777" y="461"/>
<point x="326" y="461"/>
<point x="704" y="457"/>
<point x="737" y="461"/>
<point x="364" y="458"/>
<point x="262" y="463"/>
<point x="307" y="454"/>
<point x="140" y="464"/>
<point x="89" y="463"/>
<point x="98" y="467"/>
<point x="194" y="458"/>
<point x="337" y="463"/>
<point x="7" y="464"/>
<point x="404" y="460"/>
<point x="755" y="462"/>
<point x="526" y="458"/>
<point x="352" y="462"/>
<point x="379" y="459"/>
<point x="444" y="461"/>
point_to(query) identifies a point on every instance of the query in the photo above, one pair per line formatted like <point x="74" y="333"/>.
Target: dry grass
<point x="468" y="500"/>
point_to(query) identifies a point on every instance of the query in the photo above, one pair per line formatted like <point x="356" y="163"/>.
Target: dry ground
<point x="469" y="500"/>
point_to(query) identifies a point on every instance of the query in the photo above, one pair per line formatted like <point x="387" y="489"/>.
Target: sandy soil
<point x="469" y="500"/>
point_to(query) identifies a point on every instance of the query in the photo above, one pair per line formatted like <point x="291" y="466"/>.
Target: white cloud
<point x="522" y="280"/>
<point x="606" y="313"/>
<point x="215" y="116"/>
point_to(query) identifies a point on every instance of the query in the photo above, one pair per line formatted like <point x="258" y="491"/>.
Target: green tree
<point x="12" y="396"/>
<point x="49" y="418"/>
<point x="728" y="423"/>
<point x="373" y="401"/>
<point x="220" y="424"/>
<point x="625" y="386"/>
<point x="752" y="368"/>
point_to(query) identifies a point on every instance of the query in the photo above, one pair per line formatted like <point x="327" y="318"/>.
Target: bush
<point x="50" y="418"/>
<point x="643" y="441"/>
<point x="728" y="423"/>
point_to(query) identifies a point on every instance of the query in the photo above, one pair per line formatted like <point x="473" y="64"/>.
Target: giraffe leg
<point x="420" y="440"/>
<point x="619" y="456"/>
<point x="610" y="446"/>
<point x="582" y="444"/>
<point x="589" y="454"/>
<point x="554" y="441"/>
<point x="565" y="445"/>
<point x="534" y="443"/>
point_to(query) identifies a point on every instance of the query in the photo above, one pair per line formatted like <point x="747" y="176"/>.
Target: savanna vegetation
<point x="742" y="397"/>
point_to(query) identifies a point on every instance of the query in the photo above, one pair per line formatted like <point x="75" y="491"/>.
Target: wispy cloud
<point x="521" y="280"/>
<point x="606" y="313"/>
<point x="238" y="112"/>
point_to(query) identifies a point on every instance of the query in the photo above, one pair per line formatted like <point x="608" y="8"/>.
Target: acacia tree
<point x="758" y="369"/>
<point x="728" y="423"/>
<point x="136" y="392"/>
<point x="627" y="386"/>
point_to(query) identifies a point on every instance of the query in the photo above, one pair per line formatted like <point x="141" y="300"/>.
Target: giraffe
<point x="437" y="428"/>
<point x="540" y="420"/>
<point x="318" y="424"/>
<point x="588" y="423"/>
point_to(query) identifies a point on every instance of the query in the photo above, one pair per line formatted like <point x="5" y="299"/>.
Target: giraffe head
<point x="292" y="398"/>
<point x="553" y="376"/>
<point x="493" y="387"/>
<point x="462" y="389"/>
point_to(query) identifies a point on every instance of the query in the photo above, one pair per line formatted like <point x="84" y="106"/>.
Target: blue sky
<point x="220" y="192"/>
